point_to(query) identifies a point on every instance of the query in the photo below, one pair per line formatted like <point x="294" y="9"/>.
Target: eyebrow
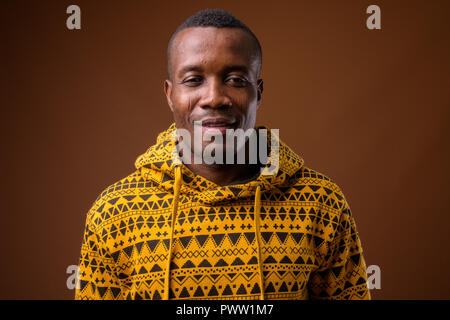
<point x="197" y="68"/>
<point x="188" y="68"/>
<point x="236" y="68"/>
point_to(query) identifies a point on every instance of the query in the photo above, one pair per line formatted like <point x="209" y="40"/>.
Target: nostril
<point x="217" y="105"/>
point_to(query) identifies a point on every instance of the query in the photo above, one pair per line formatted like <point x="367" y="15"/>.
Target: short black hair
<point x="216" y="18"/>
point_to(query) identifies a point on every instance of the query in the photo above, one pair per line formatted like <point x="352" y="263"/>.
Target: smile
<point x="218" y="123"/>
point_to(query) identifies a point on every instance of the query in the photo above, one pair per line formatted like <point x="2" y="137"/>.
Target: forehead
<point x="209" y="45"/>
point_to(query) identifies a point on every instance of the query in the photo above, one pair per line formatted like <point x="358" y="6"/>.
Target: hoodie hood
<point x="158" y="164"/>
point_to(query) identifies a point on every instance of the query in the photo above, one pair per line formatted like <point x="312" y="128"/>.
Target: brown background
<point x="369" y="109"/>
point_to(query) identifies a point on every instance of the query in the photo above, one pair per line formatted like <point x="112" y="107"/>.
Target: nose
<point x="215" y="95"/>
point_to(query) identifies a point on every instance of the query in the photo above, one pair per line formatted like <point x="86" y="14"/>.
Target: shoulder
<point x="115" y="199"/>
<point x="320" y="187"/>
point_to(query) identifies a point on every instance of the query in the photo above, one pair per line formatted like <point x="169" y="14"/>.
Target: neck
<point x="224" y="175"/>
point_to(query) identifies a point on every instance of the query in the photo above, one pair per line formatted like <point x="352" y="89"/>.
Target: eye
<point x="237" y="81"/>
<point x="192" y="81"/>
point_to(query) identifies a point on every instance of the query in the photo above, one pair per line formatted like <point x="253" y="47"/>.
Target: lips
<point x="218" y="124"/>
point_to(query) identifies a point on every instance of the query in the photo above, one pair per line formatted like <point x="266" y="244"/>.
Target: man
<point x="177" y="228"/>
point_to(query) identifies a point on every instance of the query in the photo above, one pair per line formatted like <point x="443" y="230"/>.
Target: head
<point x="214" y="65"/>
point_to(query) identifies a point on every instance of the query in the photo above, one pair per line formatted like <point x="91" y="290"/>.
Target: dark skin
<point x="214" y="73"/>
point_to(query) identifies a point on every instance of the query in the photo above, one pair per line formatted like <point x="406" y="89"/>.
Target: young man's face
<point x="214" y="79"/>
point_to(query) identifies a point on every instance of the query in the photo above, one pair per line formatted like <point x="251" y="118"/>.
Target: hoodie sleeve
<point x="97" y="279"/>
<point x="342" y="274"/>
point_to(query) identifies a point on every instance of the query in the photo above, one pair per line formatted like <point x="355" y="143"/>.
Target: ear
<point x="168" y="92"/>
<point x="260" y="90"/>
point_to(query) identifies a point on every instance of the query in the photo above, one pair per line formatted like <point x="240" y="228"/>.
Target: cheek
<point x="250" y="117"/>
<point x="182" y="107"/>
<point x="247" y="104"/>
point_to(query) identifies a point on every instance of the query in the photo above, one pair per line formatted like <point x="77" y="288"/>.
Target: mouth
<point x="218" y="124"/>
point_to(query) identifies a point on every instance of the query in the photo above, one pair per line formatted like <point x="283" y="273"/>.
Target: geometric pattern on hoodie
<point x="309" y="244"/>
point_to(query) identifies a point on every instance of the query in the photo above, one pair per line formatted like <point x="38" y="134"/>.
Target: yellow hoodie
<point x="165" y="233"/>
